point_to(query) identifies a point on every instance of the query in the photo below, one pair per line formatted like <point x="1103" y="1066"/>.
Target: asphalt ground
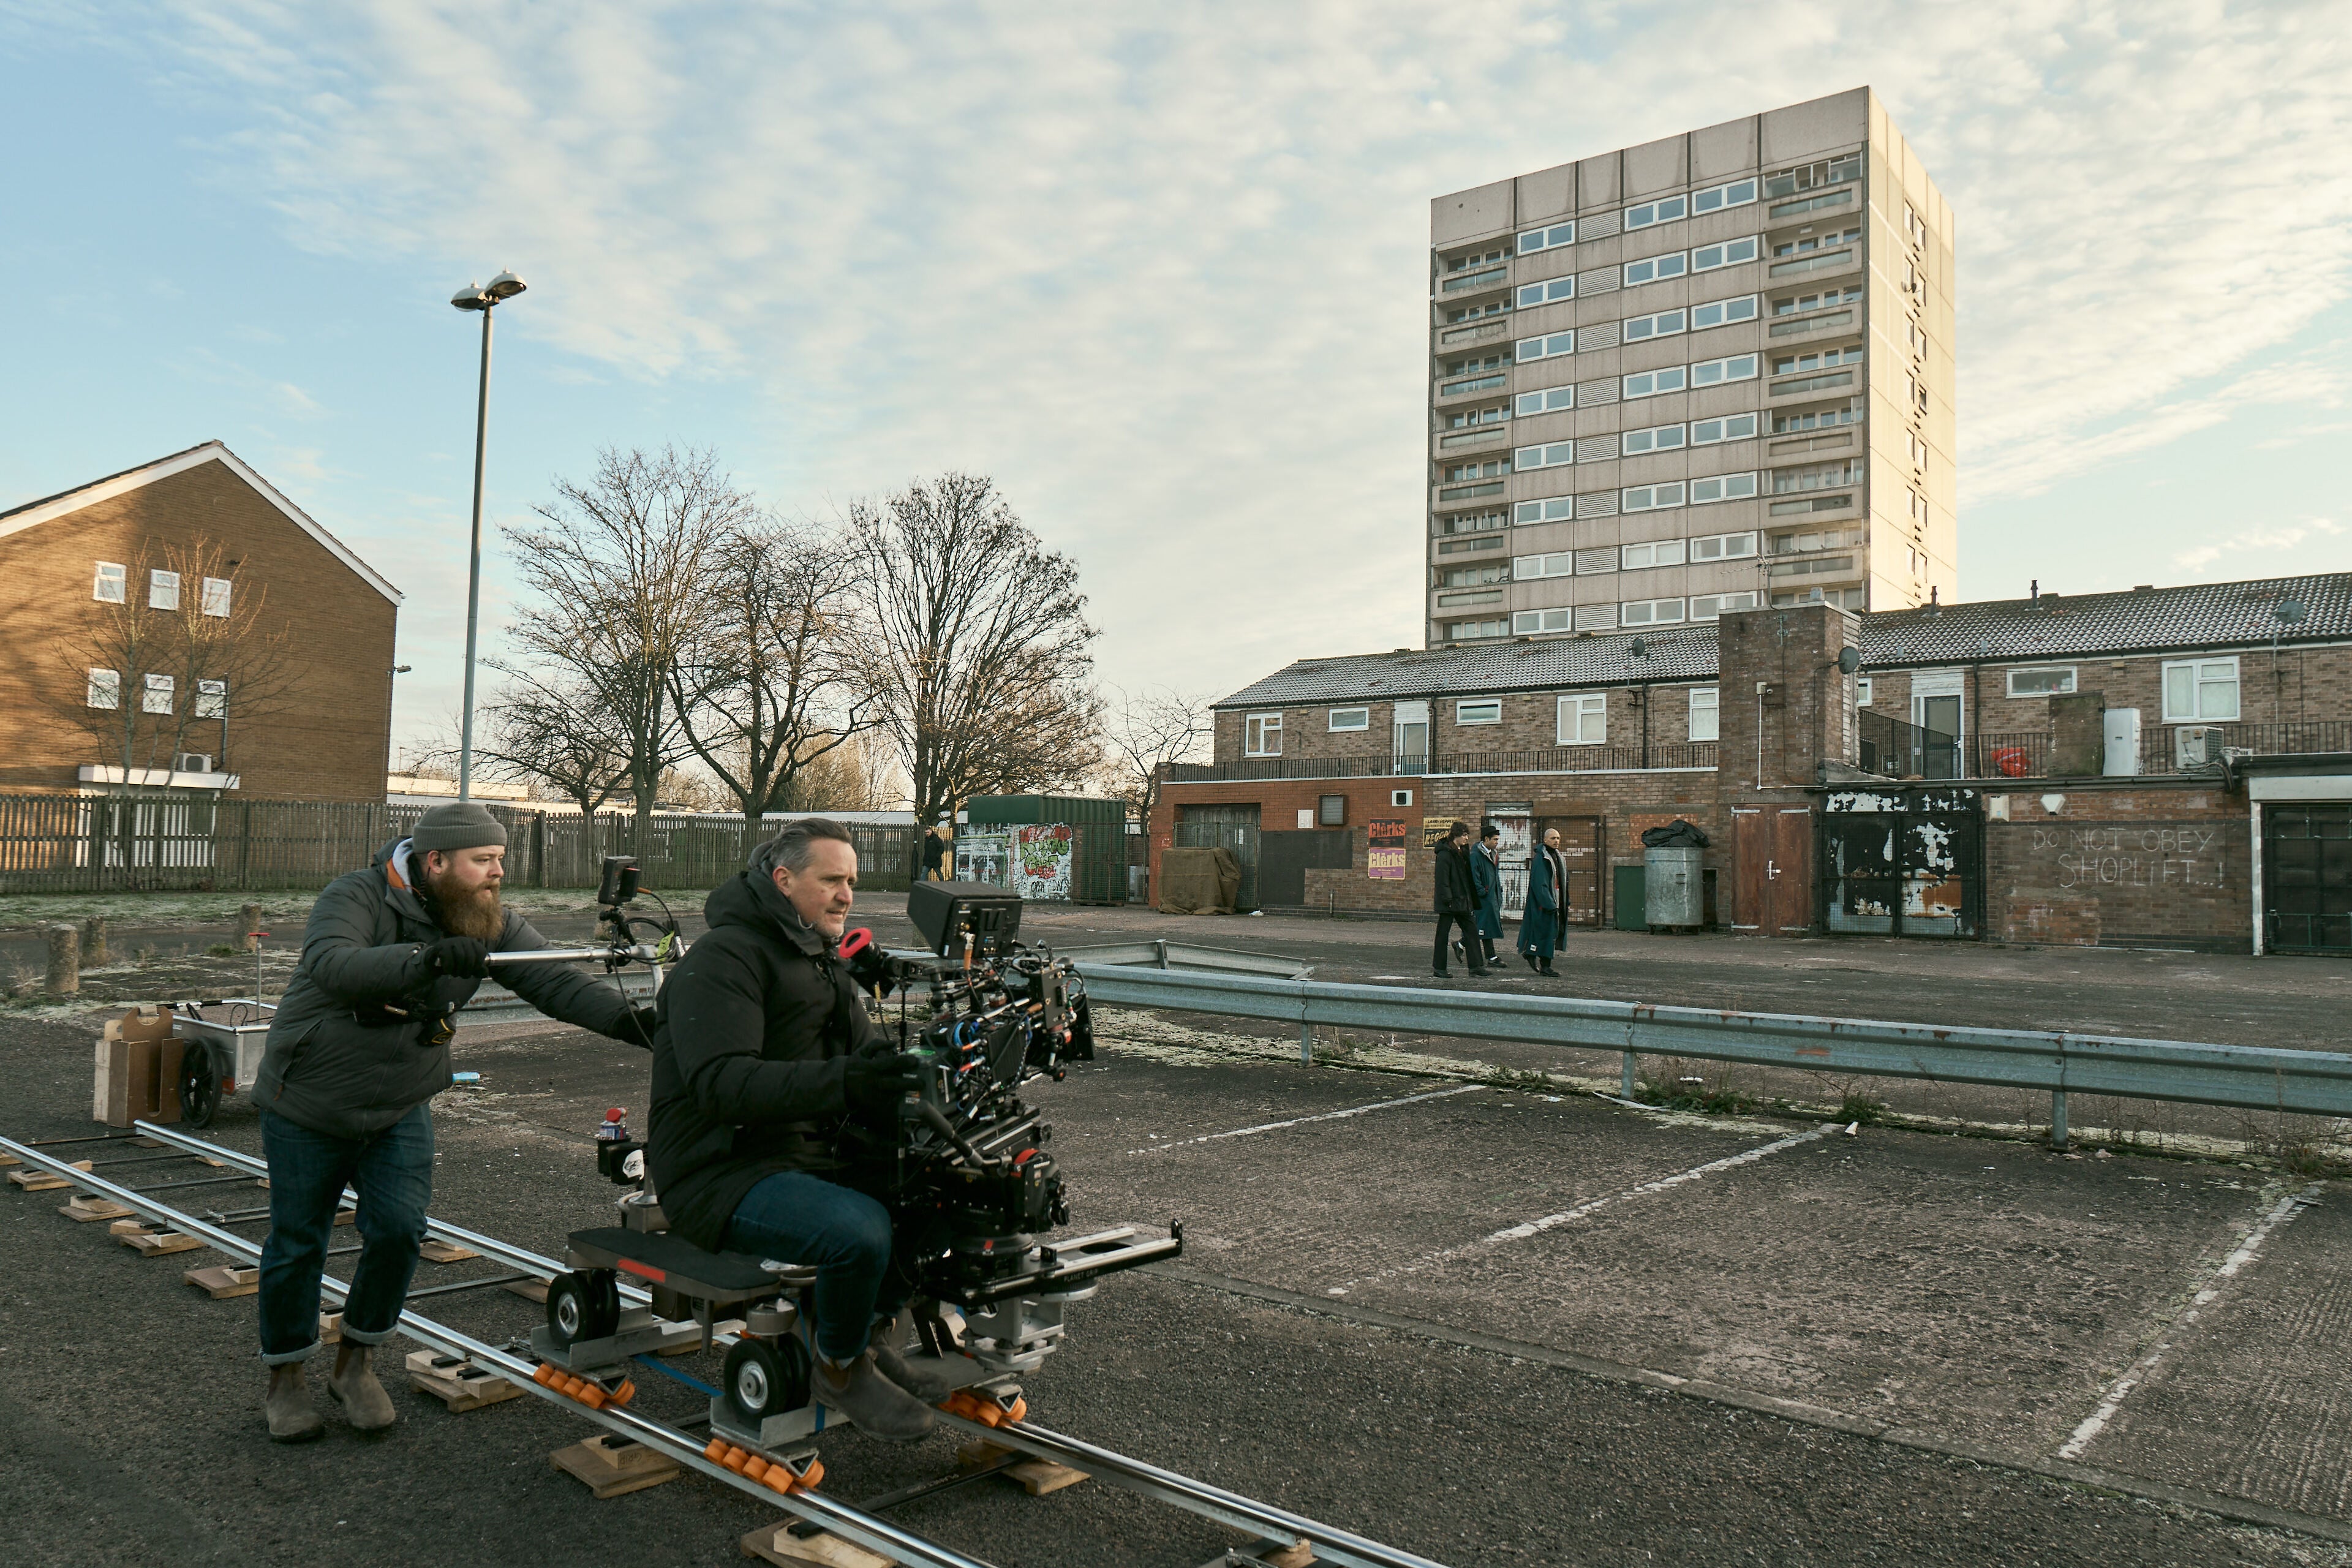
<point x="1489" y="1321"/>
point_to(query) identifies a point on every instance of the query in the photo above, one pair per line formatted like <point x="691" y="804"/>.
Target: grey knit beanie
<point x="460" y="825"/>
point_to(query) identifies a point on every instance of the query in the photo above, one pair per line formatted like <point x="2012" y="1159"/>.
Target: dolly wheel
<point x="766" y="1377"/>
<point x="583" y="1306"/>
<point x="200" y="1090"/>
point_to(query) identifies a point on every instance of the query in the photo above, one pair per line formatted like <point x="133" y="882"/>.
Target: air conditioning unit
<point x="192" y="763"/>
<point x="2196" y="745"/>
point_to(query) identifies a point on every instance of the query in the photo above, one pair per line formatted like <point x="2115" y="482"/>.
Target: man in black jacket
<point x="1457" y="903"/>
<point x="358" y="1048"/>
<point x="774" y="1098"/>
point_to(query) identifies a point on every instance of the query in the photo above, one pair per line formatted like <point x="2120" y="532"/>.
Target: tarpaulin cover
<point x="1675" y="835"/>
<point x="1199" y="881"/>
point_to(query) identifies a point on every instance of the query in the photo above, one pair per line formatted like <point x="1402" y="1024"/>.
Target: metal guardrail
<point x="2247" y="1077"/>
<point x="1185" y="955"/>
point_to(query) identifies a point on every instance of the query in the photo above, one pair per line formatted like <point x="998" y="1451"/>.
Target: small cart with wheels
<point x="221" y="1045"/>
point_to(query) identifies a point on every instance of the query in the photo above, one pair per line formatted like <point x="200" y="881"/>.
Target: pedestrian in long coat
<point x="1547" y="898"/>
<point x="1457" y="902"/>
<point x="1487" y="874"/>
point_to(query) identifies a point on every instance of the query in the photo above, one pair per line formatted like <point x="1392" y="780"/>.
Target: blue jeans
<point x="795" y="1217"/>
<point x="392" y="1171"/>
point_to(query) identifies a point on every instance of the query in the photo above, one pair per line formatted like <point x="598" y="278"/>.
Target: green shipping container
<point x="1098" y="852"/>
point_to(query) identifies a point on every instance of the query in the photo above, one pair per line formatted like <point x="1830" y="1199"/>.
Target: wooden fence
<point x="69" y="844"/>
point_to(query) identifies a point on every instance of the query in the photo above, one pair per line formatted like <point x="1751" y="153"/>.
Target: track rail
<point x="840" y="1519"/>
<point x="1331" y="1542"/>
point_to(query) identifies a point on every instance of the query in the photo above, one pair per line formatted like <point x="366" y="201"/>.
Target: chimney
<point x="2034" y="595"/>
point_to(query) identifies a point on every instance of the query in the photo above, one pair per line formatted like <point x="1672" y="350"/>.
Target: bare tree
<point x="767" y="686"/>
<point x="556" y="738"/>
<point x="1144" y="733"/>
<point x="976" y="645"/>
<point x="620" y="583"/>
<point x="857" y="774"/>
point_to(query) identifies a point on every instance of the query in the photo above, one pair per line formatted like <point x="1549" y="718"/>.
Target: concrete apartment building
<point x="184" y="627"/>
<point x="1707" y="373"/>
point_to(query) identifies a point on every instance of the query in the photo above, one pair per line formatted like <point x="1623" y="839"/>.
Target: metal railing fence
<point x="1595" y="759"/>
<point x="2245" y="1077"/>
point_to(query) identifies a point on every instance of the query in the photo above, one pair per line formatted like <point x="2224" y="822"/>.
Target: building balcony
<point x="1845" y="259"/>
<point x="1450" y="495"/>
<point x="1484" y="278"/>
<point x="1474" y="332"/>
<point x="1484" y="383"/>
<point x="1815" y="384"/>
<point x="1802" y="324"/>
<point x="1478" y="440"/>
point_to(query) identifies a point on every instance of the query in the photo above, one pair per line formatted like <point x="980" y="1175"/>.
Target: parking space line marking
<point x="1537" y="1226"/>
<point x="2280" y="1214"/>
<point x="1302" y="1120"/>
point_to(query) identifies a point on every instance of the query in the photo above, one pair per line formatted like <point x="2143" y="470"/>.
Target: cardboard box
<point x="137" y="1070"/>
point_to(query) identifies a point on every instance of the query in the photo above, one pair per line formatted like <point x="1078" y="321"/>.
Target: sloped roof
<point x="2057" y="625"/>
<point x="33" y="513"/>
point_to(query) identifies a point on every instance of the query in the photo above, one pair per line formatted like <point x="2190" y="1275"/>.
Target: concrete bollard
<point x="65" y="959"/>
<point x="251" y="917"/>
<point x="93" y="941"/>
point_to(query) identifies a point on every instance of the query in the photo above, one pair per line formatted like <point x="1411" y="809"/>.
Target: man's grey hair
<point x="796" y="845"/>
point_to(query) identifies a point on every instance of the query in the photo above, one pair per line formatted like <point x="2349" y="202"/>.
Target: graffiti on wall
<point x="2153" y="854"/>
<point x="1040" y="861"/>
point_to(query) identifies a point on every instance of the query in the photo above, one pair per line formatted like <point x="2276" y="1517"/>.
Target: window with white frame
<point x="1549" y="346"/>
<point x="1460" y="631"/>
<point x="1723" y="547"/>
<point x="1556" y="564"/>
<point x="2051" y="682"/>
<point x="1551" y="454"/>
<point x="1558" y="508"/>
<point x="1649" y="498"/>
<point x="1707" y="606"/>
<point x="1649" y="612"/>
<point x="1729" y="253"/>
<point x="106" y="585"/>
<point x="1664" y="323"/>
<point x="1525" y="622"/>
<point x="216" y="596"/>
<point x="1582" y="721"/>
<point x="1714" y="372"/>
<point x="105" y="688"/>
<point x="1551" y="292"/>
<point x="212" y="699"/>
<point x="1549" y="238"/>
<point x="1706" y="714"/>
<point x="1656" y="438"/>
<point x="1723" y="312"/>
<point x="1650" y="382"/>
<point x="1737" y="193"/>
<point x="1483" y="710"/>
<point x="1651" y="269"/>
<point x="1730" y="428"/>
<point x="1262" y="735"/>
<point x="163" y="590"/>
<point x="1551" y="400"/>
<point x="2200" y="690"/>
<point x="158" y="696"/>
<point x="1665" y="209"/>
<point x="1722" y="486"/>
<point x="1862" y="690"/>
<point x="1655" y="553"/>
<point x="1351" y="718"/>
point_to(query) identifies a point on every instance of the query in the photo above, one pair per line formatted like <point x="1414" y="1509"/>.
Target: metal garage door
<point x="2307" y="878"/>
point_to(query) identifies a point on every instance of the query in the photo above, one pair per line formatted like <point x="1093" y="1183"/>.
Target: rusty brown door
<point x="1581" y="846"/>
<point x="1791" y="871"/>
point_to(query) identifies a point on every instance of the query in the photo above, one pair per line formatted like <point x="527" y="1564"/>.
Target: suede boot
<point x="875" y="1405"/>
<point x="354" y="1386"/>
<point x="929" y="1378"/>
<point x="287" y="1405"/>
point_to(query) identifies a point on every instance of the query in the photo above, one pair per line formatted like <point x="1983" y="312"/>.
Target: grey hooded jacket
<point x="335" y="1064"/>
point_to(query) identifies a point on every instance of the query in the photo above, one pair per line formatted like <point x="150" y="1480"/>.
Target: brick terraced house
<point x="184" y="626"/>
<point x="2163" y="767"/>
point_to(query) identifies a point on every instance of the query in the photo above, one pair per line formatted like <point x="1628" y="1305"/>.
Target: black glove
<point x="875" y="1086"/>
<point x="466" y="957"/>
<point x="640" y="1030"/>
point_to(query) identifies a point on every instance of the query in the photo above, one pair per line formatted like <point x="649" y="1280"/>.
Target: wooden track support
<point x="776" y="1543"/>
<point x="459" y="1383"/>
<point x="610" y="1465"/>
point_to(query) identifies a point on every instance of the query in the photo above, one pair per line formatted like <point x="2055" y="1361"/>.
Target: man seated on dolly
<point x="775" y="1102"/>
<point x="358" y="1048"/>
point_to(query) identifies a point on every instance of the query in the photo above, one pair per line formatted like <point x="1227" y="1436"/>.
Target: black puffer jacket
<point x="335" y="1062"/>
<point x="757" y="1022"/>
<point x="1457" y="891"/>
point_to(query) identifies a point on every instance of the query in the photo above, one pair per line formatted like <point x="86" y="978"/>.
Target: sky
<point x="1160" y="271"/>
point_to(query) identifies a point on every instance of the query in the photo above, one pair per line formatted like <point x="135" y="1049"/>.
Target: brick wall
<point x="2155" y="864"/>
<point x="1531" y="722"/>
<point x="2302" y="684"/>
<point x="328" y="737"/>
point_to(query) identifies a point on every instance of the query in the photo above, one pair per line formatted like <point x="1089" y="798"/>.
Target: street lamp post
<point x="502" y="287"/>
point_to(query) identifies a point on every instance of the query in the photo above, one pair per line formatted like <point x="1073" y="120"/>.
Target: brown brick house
<point x="2107" y="764"/>
<point x="184" y="626"/>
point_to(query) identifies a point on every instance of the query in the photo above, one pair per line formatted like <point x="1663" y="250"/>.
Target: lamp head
<point x="504" y="286"/>
<point x="472" y="297"/>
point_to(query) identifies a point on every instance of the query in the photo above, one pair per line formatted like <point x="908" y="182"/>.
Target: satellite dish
<point x="1848" y="660"/>
<point x="2289" y="612"/>
<point x="1637" y="648"/>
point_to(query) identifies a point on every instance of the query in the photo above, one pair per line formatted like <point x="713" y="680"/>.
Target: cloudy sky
<point x="1160" y="271"/>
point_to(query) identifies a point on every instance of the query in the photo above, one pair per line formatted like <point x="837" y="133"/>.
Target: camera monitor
<point x="944" y="911"/>
<point x="619" y="882"/>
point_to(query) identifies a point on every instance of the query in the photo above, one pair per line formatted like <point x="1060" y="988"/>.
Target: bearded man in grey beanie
<point x="358" y="1048"/>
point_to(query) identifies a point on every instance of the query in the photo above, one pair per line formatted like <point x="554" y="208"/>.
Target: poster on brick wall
<point x="1040" y="861"/>
<point x="1384" y="851"/>
<point x="985" y="858"/>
